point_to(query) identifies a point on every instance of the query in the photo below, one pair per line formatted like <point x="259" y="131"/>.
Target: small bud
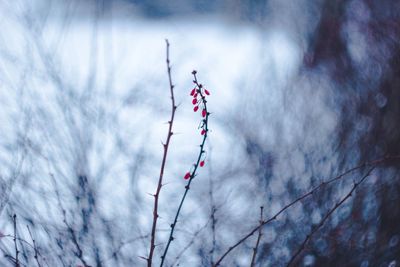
<point x="196" y="108"/>
<point x="194" y="101"/>
<point x="206" y="91"/>
<point x="203" y="132"/>
<point x="194" y="72"/>
<point x="193" y="92"/>
<point x="187" y="176"/>
<point x="203" y="113"/>
<point x="202" y="163"/>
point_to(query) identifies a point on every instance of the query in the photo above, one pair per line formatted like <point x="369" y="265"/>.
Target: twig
<point x="253" y="259"/>
<point x="191" y="175"/>
<point x="34" y="246"/>
<point x="213" y="225"/>
<point x="15" y="240"/>
<point x="79" y="252"/>
<point x="337" y="205"/>
<point x="26" y="243"/>
<point x="160" y="179"/>
<point x="190" y="243"/>
<point x="323" y="184"/>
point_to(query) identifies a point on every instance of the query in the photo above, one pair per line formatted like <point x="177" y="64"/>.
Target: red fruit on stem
<point x="206" y="91"/>
<point x="204" y="113"/>
<point x="187" y="175"/>
<point x="194" y="101"/>
<point x="195" y="95"/>
<point x="196" y="108"/>
<point x="193" y="91"/>
<point x="203" y="132"/>
<point x="202" y="163"/>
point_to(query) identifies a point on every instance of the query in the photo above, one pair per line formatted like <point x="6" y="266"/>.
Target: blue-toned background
<point x="300" y="92"/>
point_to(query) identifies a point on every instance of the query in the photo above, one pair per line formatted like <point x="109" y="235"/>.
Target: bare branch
<point x="330" y="212"/>
<point x="34" y="246"/>
<point x="323" y="184"/>
<point x="160" y="179"/>
<point x="253" y="259"/>
<point x="15" y="240"/>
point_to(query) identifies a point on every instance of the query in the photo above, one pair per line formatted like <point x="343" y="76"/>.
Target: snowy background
<point x="300" y="92"/>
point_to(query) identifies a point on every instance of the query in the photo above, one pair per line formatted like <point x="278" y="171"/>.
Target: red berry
<point x="196" y="108"/>
<point x="204" y="113"/>
<point x="195" y="95"/>
<point x="202" y="163"/>
<point x="193" y="91"/>
<point x="203" y="132"/>
<point x="187" y="175"/>
<point x="206" y="91"/>
<point x="194" y="101"/>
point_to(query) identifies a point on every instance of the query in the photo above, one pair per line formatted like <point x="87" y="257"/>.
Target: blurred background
<point x="301" y="91"/>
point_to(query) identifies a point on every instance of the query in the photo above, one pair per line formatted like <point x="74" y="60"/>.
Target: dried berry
<point x="203" y="113"/>
<point x="187" y="176"/>
<point x="206" y="91"/>
<point x="194" y="101"/>
<point x="202" y="163"/>
<point x="193" y="91"/>
<point x="196" y="108"/>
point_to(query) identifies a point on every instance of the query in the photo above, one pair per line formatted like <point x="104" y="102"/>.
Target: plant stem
<point x="193" y="174"/>
<point x="160" y="179"/>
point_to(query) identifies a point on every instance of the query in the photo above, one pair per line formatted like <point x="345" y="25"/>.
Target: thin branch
<point x="26" y="243"/>
<point x="323" y="184"/>
<point x="34" y="247"/>
<point x="198" y="90"/>
<point x="330" y="212"/>
<point x="253" y="259"/>
<point x="79" y="252"/>
<point x="213" y="226"/>
<point x="190" y="243"/>
<point x="15" y="240"/>
<point x="160" y="179"/>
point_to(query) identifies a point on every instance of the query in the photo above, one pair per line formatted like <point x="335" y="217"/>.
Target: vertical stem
<point x="15" y="240"/>
<point x="35" y="248"/>
<point x="193" y="174"/>
<point x="160" y="179"/>
<point x="253" y="259"/>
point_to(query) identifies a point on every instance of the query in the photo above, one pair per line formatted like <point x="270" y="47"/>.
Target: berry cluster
<point x="199" y="101"/>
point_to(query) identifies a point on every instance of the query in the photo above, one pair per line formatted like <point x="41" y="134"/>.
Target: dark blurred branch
<point x="189" y="244"/>
<point x="213" y="223"/>
<point x="79" y="252"/>
<point x="190" y="175"/>
<point x="253" y="259"/>
<point x="35" y="248"/>
<point x="23" y="241"/>
<point x="330" y="212"/>
<point x="160" y="179"/>
<point x="323" y="184"/>
<point x="15" y="240"/>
